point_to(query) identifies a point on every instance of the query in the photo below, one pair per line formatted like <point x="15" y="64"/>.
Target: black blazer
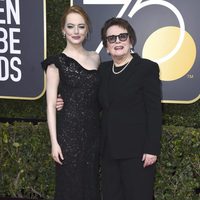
<point x="131" y="109"/>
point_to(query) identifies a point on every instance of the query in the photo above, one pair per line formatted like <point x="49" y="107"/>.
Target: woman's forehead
<point x="116" y="29"/>
<point x="75" y="18"/>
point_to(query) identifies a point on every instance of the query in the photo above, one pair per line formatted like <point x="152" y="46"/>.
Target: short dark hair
<point x="121" y="23"/>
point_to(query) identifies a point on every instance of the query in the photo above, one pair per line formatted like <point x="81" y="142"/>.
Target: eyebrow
<point x="118" y="34"/>
<point x="75" y="24"/>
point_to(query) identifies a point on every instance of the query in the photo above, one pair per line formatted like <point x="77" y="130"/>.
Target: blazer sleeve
<point x="152" y="99"/>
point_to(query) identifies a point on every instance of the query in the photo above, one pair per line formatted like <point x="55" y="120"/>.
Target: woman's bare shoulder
<point x="94" y="56"/>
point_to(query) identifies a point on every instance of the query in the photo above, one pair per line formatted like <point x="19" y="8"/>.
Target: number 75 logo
<point x="171" y="45"/>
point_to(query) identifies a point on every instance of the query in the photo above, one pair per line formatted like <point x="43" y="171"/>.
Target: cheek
<point x="69" y="32"/>
<point x="83" y="32"/>
<point x="110" y="47"/>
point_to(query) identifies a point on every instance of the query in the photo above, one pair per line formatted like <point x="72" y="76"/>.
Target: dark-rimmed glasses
<point x="122" y="37"/>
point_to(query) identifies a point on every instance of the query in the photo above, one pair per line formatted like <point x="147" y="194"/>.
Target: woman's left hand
<point x="148" y="159"/>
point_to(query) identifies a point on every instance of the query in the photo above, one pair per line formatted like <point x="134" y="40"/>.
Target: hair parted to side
<point x="75" y="9"/>
<point x="121" y="23"/>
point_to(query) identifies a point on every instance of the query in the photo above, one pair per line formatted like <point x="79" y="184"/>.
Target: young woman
<point x="74" y="131"/>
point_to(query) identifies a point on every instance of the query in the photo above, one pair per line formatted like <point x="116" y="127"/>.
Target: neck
<point x="71" y="49"/>
<point x="122" y="60"/>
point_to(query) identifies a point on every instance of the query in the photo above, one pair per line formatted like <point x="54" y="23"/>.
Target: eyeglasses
<point x="122" y="37"/>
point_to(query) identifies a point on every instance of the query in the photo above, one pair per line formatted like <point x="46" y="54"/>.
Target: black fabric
<point x="77" y="130"/>
<point x="126" y="179"/>
<point x="131" y="102"/>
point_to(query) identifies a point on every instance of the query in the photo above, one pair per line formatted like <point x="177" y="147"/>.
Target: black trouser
<point x="126" y="179"/>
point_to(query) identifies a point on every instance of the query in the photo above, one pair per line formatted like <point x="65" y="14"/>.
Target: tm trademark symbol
<point x="190" y="76"/>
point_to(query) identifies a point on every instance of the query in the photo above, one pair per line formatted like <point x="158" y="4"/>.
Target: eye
<point x="111" y="37"/>
<point x="123" y="37"/>
<point x="70" y="26"/>
<point x="81" y="26"/>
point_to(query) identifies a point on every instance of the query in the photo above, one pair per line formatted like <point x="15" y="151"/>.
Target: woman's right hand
<point x="56" y="153"/>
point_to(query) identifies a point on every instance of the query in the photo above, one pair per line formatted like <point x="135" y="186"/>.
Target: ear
<point x="64" y="34"/>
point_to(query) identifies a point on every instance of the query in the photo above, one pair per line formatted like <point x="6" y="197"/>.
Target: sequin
<point x="77" y="130"/>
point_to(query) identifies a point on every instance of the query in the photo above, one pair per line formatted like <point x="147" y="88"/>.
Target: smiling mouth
<point x="118" y="48"/>
<point x="76" y="37"/>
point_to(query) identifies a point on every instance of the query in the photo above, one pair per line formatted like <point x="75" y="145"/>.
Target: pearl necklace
<point x="113" y="68"/>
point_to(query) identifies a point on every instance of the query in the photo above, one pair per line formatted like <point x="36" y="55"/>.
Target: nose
<point x="117" y="39"/>
<point x="76" y="30"/>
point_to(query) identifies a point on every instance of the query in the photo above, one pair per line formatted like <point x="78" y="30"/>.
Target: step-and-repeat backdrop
<point x="167" y="32"/>
<point x="22" y="48"/>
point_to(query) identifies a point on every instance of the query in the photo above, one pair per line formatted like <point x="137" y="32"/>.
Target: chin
<point x="120" y="54"/>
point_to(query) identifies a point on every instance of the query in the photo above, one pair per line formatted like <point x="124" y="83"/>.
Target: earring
<point x="64" y="35"/>
<point x="86" y="37"/>
<point x="131" y="50"/>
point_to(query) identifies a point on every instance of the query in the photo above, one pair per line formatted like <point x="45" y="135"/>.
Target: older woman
<point x="130" y="96"/>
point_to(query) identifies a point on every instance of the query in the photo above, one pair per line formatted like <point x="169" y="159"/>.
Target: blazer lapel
<point x="107" y="95"/>
<point x="124" y="77"/>
<point x="129" y="71"/>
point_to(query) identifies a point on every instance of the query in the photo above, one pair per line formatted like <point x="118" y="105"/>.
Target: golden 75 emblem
<point x="167" y="33"/>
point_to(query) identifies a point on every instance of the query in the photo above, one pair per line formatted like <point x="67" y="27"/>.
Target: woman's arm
<point x="51" y="94"/>
<point x="152" y="95"/>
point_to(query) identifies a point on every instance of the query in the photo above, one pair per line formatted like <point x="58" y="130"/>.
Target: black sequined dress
<point x="77" y="130"/>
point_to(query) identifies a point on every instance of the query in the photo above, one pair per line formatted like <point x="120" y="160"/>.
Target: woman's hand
<point x="59" y="103"/>
<point x="148" y="159"/>
<point x="57" y="153"/>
